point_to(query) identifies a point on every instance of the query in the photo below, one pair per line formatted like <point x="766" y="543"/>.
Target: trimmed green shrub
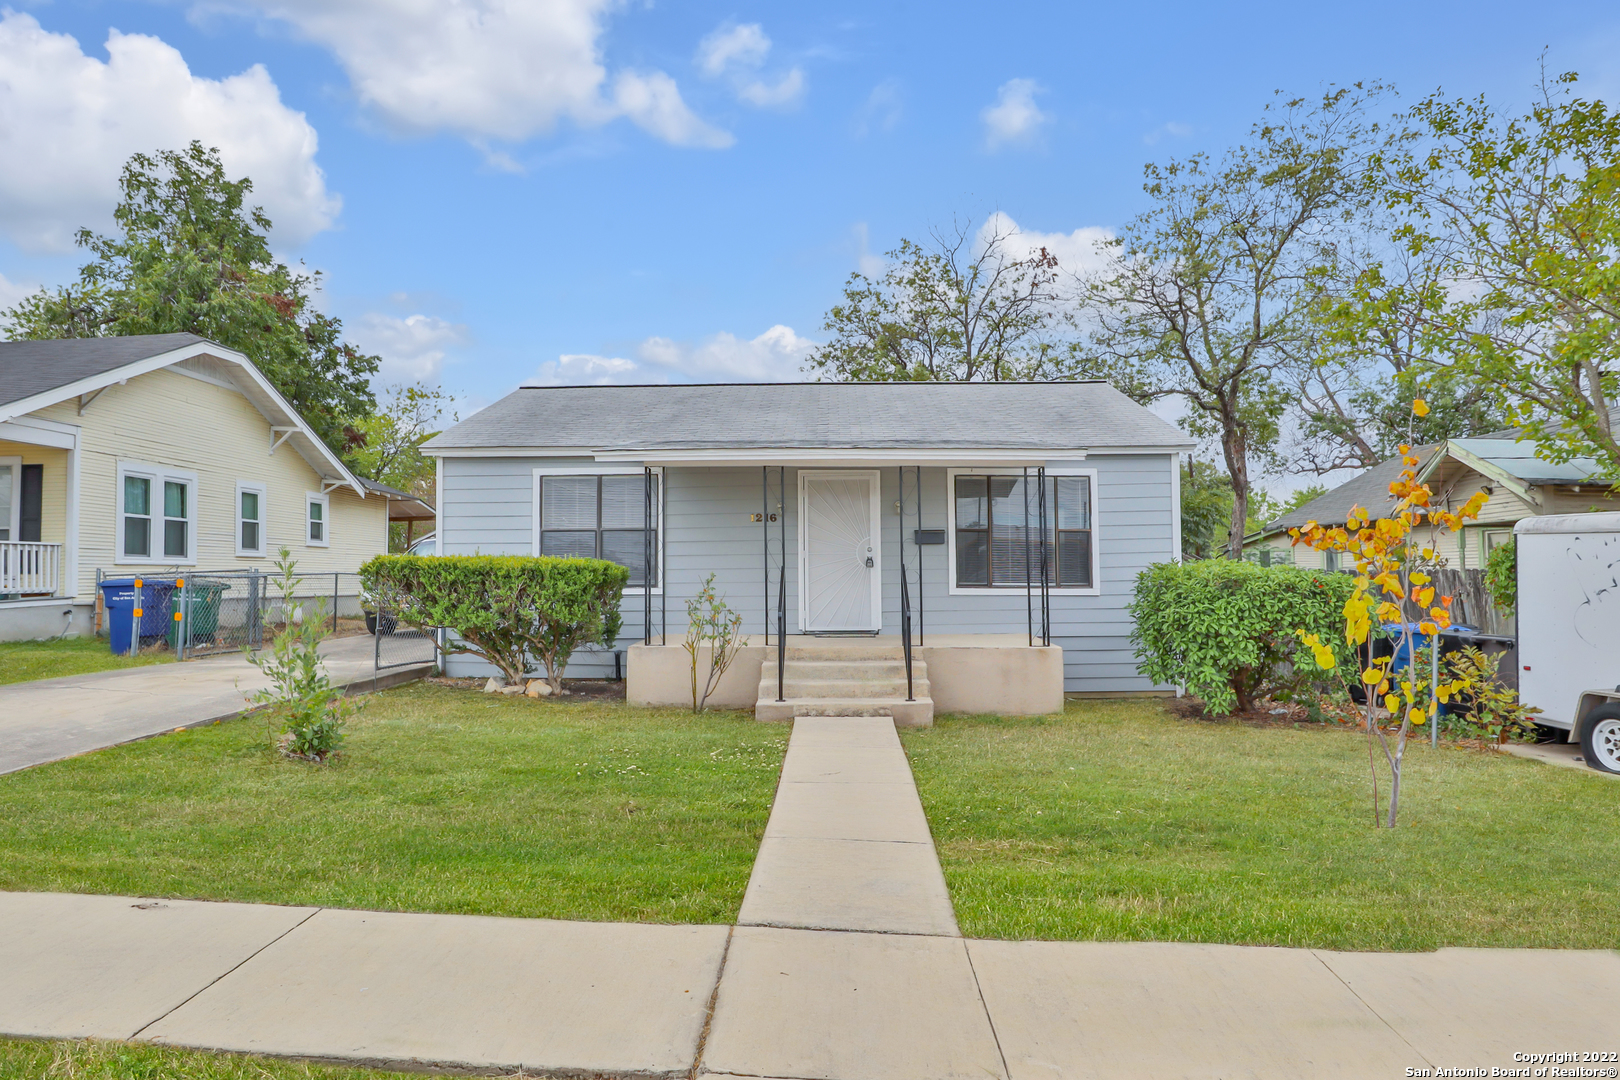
<point x="1230" y="631"/>
<point x="505" y="609"/>
<point x="1502" y="576"/>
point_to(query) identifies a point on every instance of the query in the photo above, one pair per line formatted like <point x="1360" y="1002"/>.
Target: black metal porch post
<point x="920" y="554"/>
<point x="1029" y="597"/>
<point x="646" y="554"/>
<point x="765" y="542"/>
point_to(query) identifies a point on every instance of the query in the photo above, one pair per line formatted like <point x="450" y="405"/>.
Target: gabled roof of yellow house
<point x="37" y="374"/>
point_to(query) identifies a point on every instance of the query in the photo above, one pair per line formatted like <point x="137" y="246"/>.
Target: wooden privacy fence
<point x="1471" y="604"/>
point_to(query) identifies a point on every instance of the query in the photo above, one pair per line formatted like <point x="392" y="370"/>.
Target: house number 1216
<point x="761" y="517"/>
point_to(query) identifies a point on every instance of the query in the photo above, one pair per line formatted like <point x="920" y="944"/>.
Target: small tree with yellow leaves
<point x="1393" y="557"/>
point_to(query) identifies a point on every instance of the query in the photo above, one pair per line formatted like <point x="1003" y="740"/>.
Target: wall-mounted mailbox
<point x="929" y="536"/>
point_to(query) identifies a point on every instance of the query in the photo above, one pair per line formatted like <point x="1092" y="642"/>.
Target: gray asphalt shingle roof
<point x="1369" y="490"/>
<point x="1011" y="416"/>
<point x="35" y="367"/>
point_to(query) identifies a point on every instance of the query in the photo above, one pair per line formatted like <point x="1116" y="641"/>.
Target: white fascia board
<point x="852" y="456"/>
<point x="36" y="431"/>
<point x="506" y="451"/>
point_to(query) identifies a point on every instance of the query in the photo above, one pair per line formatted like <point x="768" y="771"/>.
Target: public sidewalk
<point x="572" y="998"/>
<point x="57" y="718"/>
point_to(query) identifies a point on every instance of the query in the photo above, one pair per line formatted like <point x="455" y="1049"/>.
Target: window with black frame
<point x="993" y="534"/>
<point x="600" y="517"/>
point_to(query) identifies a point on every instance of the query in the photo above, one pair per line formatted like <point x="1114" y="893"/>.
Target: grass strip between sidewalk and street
<point x="98" y="1059"/>
<point x="1119" y="822"/>
<point x="444" y="800"/>
<point x="25" y="661"/>
<point x="95" y="1059"/>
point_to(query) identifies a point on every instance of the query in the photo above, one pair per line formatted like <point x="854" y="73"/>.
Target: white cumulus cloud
<point x="1077" y="252"/>
<point x="489" y="69"/>
<point x="1014" y="119"/>
<point x="69" y="121"/>
<point x="777" y="355"/>
<point x="412" y="347"/>
<point x="11" y="292"/>
<point x="737" y="54"/>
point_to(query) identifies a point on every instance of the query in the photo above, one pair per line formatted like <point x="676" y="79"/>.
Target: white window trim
<point x="326" y="519"/>
<point x="263" y="492"/>
<point x="1004" y="590"/>
<point x="15" y="523"/>
<point x="596" y="469"/>
<point x="158" y="475"/>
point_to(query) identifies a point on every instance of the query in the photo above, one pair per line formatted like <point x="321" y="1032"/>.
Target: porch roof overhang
<point x="849" y="457"/>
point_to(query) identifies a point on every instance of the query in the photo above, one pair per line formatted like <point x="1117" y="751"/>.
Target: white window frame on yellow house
<point x="315" y="498"/>
<point x="249" y="487"/>
<point x="157" y="477"/>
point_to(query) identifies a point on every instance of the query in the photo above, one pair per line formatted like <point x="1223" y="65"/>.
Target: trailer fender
<point x="1590" y="700"/>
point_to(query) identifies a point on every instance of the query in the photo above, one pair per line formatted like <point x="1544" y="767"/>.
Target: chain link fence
<point x="200" y="612"/>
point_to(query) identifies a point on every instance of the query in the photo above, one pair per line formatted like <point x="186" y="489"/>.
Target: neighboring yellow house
<point x="1518" y="483"/>
<point x="158" y="453"/>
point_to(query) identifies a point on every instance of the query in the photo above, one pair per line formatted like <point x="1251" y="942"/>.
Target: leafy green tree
<point x="1514" y="222"/>
<point x="388" y="447"/>
<point x="964" y="308"/>
<point x="191" y="257"/>
<point x="1208" y="291"/>
<point x="1206" y="507"/>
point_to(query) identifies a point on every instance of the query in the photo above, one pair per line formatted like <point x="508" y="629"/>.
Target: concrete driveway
<point x="57" y="718"/>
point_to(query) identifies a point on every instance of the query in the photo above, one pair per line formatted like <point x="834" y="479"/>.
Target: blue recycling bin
<point x="118" y="598"/>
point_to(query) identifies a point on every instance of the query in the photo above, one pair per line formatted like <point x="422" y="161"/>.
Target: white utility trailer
<point x="1569" y="628"/>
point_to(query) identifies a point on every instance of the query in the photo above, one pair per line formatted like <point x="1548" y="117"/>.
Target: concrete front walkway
<point x="57" y="718"/>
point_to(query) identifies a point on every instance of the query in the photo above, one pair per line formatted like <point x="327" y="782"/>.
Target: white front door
<point x="839" y="551"/>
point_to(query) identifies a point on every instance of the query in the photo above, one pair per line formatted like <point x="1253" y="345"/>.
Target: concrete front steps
<point x="846" y="679"/>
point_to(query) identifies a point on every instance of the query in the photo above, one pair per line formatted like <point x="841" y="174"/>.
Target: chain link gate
<point x="398" y="644"/>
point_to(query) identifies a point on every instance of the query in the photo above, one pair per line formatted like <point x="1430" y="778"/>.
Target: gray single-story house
<point x="844" y="514"/>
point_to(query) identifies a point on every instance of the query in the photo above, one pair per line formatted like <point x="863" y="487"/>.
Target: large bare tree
<point x="1206" y="294"/>
<point x="967" y="306"/>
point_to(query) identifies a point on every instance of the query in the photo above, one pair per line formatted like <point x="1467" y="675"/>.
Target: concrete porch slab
<point x="813" y="764"/>
<point x="833" y="1006"/>
<point x="848" y="885"/>
<point x="468" y="991"/>
<point x="104" y="967"/>
<point x="848" y="812"/>
<point x="1478" y="1007"/>
<point x="1084" y="1010"/>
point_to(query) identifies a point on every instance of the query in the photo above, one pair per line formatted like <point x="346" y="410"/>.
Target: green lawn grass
<point x="445" y="800"/>
<point x="97" y="1060"/>
<point x="1118" y="822"/>
<point x="24" y="661"/>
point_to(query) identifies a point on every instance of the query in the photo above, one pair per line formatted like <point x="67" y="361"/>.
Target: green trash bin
<point x="199" y="603"/>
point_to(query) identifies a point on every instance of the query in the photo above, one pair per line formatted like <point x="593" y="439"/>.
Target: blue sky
<point x="676" y="191"/>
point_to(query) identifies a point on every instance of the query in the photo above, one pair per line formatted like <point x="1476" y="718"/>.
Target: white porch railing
<point x="29" y="567"/>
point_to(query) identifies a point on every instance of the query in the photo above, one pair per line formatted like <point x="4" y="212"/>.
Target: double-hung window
<point x="318" y="520"/>
<point x="157" y="514"/>
<point x="600" y="517"/>
<point x="998" y="531"/>
<point x="250" y="518"/>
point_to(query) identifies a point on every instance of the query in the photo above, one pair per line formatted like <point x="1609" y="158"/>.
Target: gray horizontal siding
<point x="487" y="507"/>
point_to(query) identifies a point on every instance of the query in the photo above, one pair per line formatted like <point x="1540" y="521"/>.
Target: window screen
<point x="137" y="516"/>
<point x="998" y="536"/>
<point x="600" y="517"/>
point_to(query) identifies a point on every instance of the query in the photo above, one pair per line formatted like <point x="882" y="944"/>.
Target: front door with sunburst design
<point x="840" y="552"/>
